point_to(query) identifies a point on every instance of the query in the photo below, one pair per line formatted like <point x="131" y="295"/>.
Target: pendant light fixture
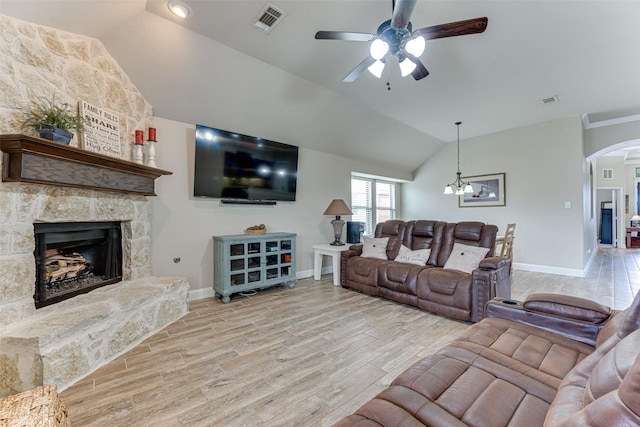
<point x="458" y="187"/>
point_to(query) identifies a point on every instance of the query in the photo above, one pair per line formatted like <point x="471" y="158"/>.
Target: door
<point x="606" y="223"/>
<point x="615" y="219"/>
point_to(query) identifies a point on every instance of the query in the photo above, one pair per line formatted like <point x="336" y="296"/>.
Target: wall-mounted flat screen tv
<point x="233" y="166"/>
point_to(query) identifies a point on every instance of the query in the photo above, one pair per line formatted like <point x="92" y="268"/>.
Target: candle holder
<point x="151" y="153"/>
<point x="137" y="153"/>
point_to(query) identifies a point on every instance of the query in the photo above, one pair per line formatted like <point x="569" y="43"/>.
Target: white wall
<point x="212" y="84"/>
<point x="599" y="138"/>
<point x="544" y="169"/>
<point x="616" y="163"/>
<point x="182" y="226"/>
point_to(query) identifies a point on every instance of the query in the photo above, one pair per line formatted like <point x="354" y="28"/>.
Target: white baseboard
<point x="201" y="293"/>
<point x="208" y="292"/>
<point x="574" y="272"/>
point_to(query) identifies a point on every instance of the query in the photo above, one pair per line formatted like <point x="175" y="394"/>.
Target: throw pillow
<point x="418" y="257"/>
<point x="465" y="258"/>
<point x="375" y="247"/>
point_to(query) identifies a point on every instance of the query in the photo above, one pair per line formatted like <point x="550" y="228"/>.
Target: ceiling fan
<point x="395" y="37"/>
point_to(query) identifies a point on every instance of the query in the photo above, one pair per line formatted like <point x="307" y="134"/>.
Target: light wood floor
<point x="294" y="357"/>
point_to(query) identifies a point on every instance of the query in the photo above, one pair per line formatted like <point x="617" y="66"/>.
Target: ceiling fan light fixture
<point x="378" y="49"/>
<point x="416" y="46"/>
<point x="179" y="9"/>
<point x="406" y="67"/>
<point x="376" y="68"/>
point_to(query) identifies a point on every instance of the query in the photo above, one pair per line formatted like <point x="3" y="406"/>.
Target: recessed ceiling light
<point x="179" y="8"/>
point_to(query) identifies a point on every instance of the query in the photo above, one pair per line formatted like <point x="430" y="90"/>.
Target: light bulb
<point x="468" y="188"/>
<point x="378" y="49"/>
<point x="415" y="46"/>
<point x="376" y="68"/>
<point x="448" y="190"/>
<point x="406" y="67"/>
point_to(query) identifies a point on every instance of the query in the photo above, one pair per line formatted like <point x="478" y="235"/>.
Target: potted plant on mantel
<point x="53" y="121"/>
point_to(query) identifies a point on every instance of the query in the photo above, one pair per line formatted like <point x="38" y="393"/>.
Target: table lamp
<point x="337" y="207"/>
<point x="635" y="221"/>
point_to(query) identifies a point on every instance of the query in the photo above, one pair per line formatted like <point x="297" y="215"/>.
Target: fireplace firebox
<point x="74" y="258"/>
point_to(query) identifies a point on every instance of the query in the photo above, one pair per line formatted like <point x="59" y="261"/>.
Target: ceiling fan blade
<point x="421" y="71"/>
<point x="344" y="35"/>
<point x="458" y="28"/>
<point x="355" y="73"/>
<point x="402" y="10"/>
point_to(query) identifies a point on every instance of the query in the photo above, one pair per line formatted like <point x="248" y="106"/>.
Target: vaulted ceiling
<point x="587" y="53"/>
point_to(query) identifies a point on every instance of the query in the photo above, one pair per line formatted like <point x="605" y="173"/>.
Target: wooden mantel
<point x="40" y="161"/>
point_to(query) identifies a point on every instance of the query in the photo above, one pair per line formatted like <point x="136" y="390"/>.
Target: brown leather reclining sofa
<point x="452" y="293"/>
<point x="551" y="361"/>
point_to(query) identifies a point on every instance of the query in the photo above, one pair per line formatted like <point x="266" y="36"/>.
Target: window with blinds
<point x="369" y="209"/>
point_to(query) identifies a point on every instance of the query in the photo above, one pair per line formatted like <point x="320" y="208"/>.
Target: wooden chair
<point x="506" y="242"/>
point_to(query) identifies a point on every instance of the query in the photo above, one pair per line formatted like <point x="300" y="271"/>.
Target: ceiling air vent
<point x="269" y="18"/>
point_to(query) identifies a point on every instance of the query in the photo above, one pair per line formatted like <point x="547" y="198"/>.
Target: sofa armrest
<point x="494" y="262"/>
<point x="568" y="307"/>
<point x="554" y="313"/>
<point x="354" y="250"/>
<point x="488" y="283"/>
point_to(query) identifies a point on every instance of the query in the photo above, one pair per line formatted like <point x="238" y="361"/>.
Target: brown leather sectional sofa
<point x="452" y="293"/>
<point x="551" y="361"/>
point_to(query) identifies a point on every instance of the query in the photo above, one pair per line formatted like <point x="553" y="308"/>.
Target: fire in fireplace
<point x="74" y="258"/>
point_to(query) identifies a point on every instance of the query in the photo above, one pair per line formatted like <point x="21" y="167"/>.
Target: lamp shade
<point x="415" y="46"/>
<point x="378" y="49"/>
<point x="338" y="207"/>
<point x="406" y="67"/>
<point x="635" y="218"/>
<point x="376" y="68"/>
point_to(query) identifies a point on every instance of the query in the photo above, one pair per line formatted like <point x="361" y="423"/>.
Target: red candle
<point x="139" y="137"/>
<point x="152" y="134"/>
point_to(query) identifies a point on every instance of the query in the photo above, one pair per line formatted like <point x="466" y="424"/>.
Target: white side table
<point x="332" y="251"/>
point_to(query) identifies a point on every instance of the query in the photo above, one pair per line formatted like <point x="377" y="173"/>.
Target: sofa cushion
<point x="440" y="281"/>
<point x="418" y="257"/>
<point x="465" y="258"/>
<point x="425" y="234"/>
<point x="394" y="229"/>
<point x="576" y="395"/>
<point x="609" y="371"/>
<point x="375" y="247"/>
<point x="621" y="323"/>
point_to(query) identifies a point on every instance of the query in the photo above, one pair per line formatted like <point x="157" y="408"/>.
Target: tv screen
<point x="239" y="167"/>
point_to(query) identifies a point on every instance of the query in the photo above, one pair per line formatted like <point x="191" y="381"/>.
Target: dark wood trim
<point x="40" y="161"/>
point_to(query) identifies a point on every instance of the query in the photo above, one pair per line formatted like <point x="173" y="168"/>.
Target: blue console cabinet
<point x="244" y="262"/>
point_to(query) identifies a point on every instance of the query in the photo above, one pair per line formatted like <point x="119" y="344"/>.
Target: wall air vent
<point x="268" y="18"/>
<point x="607" y="173"/>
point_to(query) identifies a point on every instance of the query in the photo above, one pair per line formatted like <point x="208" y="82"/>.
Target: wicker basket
<point x="255" y="232"/>
<point x="39" y="407"/>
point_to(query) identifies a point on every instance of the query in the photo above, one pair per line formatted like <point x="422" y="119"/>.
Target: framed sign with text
<point x="102" y="131"/>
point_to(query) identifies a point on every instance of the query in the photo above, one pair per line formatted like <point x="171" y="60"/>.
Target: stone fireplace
<point x="55" y="184"/>
<point x="62" y="342"/>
